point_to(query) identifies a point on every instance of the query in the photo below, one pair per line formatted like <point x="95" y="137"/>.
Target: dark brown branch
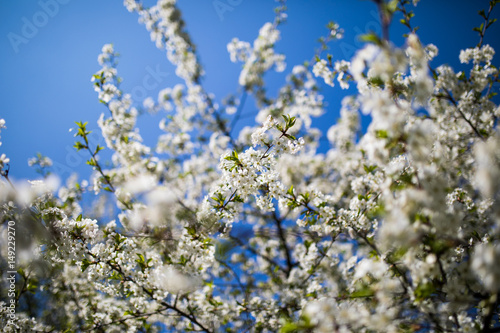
<point x="263" y="256"/>
<point x="286" y="249"/>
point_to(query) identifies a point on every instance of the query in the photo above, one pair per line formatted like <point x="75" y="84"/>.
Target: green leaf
<point x="31" y="287"/>
<point x="183" y="261"/>
<point x="392" y="6"/>
<point x="424" y="290"/>
<point x="369" y="168"/>
<point x="85" y="264"/>
<point x="78" y="145"/>
<point x="141" y="258"/>
<point x="237" y="198"/>
<point x="381" y="134"/>
<point x="305" y="197"/>
<point x="222" y="249"/>
<point x="191" y="231"/>
<point x="363" y="292"/>
<point x="92" y="162"/>
<point x="141" y="261"/>
<point x="219" y="198"/>
<point x="370" y="38"/>
<point x="233" y="157"/>
<point x="98" y="149"/>
<point x="289" y="122"/>
<point x="289" y="327"/>
<point x="479" y="29"/>
<point x="376" y="81"/>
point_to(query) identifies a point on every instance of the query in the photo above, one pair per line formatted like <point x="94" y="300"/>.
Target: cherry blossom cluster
<point x="395" y="228"/>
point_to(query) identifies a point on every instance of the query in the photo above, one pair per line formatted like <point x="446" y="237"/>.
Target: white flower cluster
<point x="105" y="80"/>
<point x="252" y="173"/>
<point x="257" y="59"/>
<point x="336" y="32"/>
<point x="484" y="264"/>
<point x="42" y="161"/>
<point x="299" y="98"/>
<point x="487" y="156"/>
<point x="394" y="228"/>
<point x="166" y="26"/>
<point x="327" y="73"/>
<point x="3" y="158"/>
<point x="482" y="68"/>
<point x="321" y="69"/>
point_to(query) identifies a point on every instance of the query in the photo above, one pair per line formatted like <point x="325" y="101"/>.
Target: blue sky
<point x="46" y="70"/>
